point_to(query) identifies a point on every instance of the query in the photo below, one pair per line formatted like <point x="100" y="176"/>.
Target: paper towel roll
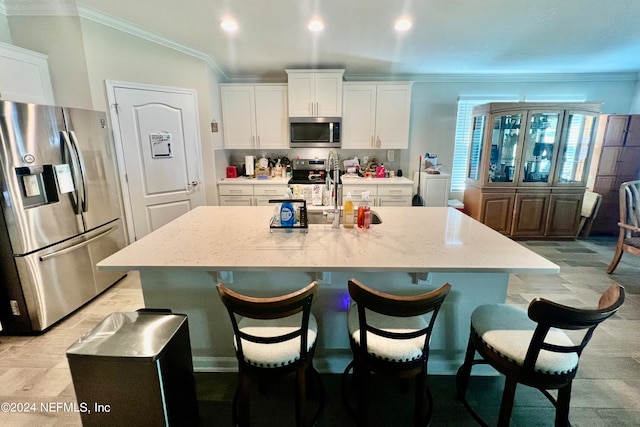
<point x="248" y="165"/>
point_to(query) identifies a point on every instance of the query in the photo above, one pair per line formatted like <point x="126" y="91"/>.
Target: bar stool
<point x="273" y="337"/>
<point x="531" y="348"/>
<point x="390" y="336"/>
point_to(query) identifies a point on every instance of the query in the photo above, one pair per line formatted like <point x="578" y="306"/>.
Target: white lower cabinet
<point x="250" y="195"/>
<point x="380" y="195"/>
<point x="396" y="195"/>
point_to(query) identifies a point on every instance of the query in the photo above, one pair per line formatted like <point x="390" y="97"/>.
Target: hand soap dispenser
<point x="347" y="212"/>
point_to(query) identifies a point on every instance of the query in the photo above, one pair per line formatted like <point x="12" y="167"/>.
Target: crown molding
<point x="498" y="78"/>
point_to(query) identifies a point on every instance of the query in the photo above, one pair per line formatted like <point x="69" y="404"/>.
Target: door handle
<point x="191" y="184"/>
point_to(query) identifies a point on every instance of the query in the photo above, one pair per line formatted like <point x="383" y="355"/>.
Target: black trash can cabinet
<point x="135" y="369"/>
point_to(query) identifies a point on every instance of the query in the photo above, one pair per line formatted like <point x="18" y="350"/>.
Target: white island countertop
<point x="410" y="239"/>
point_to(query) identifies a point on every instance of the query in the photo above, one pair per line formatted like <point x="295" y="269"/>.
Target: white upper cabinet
<point x="315" y="93"/>
<point x="24" y="76"/>
<point x="254" y="116"/>
<point x="376" y="115"/>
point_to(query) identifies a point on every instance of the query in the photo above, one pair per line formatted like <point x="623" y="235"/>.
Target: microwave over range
<point x="315" y="132"/>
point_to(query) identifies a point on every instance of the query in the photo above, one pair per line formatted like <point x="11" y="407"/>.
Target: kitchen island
<point x="413" y="250"/>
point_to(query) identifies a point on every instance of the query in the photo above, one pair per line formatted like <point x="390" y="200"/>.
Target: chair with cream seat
<point x="629" y="237"/>
<point x="273" y="337"/>
<point x="390" y="335"/>
<point x="531" y="348"/>
<point x="590" y="207"/>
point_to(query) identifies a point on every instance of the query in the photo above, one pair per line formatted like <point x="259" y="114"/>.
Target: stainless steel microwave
<point x="314" y="132"/>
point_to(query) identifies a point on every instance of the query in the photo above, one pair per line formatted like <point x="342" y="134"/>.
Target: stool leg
<point x="361" y="377"/>
<point x="506" y="406"/>
<point x="420" y="396"/>
<point x="562" y="406"/>
<point x="462" y="378"/>
<point x="243" y="400"/>
<point x="301" y="394"/>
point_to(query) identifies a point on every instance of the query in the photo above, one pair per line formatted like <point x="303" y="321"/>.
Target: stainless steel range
<point x="308" y="178"/>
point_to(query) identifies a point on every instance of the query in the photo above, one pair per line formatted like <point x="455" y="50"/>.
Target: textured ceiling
<point x="447" y="37"/>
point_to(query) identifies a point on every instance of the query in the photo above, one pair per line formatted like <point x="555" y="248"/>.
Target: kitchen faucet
<point x="333" y="183"/>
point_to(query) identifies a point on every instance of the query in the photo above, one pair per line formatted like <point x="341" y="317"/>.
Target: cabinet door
<point x="633" y="132"/>
<point x="328" y="94"/>
<point x="629" y="163"/>
<point x="503" y="149"/>
<point x="615" y="131"/>
<point x="435" y="189"/>
<point x="564" y="215"/>
<point x="609" y="160"/>
<point x="359" y="116"/>
<point x="541" y="141"/>
<point x="393" y="111"/>
<point x="236" y="200"/>
<point x="356" y="193"/>
<point x="301" y="94"/>
<point x="575" y="149"/>
<point x="25" y="76"/>
<point x="497" y="211"/>
<point x="238" y="116"/>
<point x="530" y="215"/>
<point x="271" y="116"/>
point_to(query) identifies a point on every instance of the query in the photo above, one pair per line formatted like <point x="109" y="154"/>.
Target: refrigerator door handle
<point x="75" y="195"/>
<point x="77" y="245"/>
<point x="83" y="176"/>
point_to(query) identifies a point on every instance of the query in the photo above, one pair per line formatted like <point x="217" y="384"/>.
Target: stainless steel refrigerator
<point x="61" y="213"/>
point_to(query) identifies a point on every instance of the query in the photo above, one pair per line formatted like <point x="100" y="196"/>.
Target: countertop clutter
<point x="347" y="180"/>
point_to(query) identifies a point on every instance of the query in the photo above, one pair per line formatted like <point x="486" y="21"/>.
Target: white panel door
<point x="158" y="134"/>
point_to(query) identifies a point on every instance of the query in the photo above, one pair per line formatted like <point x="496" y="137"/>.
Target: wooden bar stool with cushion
<point x="531" y="348"/>
<point x="273" y="337"/>
<point x="390" y="335"/>
<point x="629" y="237"/>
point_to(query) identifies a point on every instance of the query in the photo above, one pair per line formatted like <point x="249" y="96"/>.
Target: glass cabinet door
<point x="504" y="147"/>
<point x="541" y="140"/>
<point x="475" y="150"/>
<point x="579" y="133"/>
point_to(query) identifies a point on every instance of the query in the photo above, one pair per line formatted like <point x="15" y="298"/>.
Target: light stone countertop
<point x="409" y="239"/>
<point x="348" y="180"/>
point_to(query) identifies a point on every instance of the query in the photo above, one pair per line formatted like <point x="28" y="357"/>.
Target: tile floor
<point x="606" y="392"/>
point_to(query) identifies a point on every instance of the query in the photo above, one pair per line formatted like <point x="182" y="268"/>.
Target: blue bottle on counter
<point x="287" y="214"/>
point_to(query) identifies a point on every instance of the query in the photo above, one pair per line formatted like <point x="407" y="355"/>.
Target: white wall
<point x="5" y="33"/>
<point x="60" y="38"/>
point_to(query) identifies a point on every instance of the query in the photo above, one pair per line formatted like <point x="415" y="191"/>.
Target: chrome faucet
<point x="333" y="183"/>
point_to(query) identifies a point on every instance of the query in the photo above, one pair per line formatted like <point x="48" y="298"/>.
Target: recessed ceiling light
<point x="316" y="25"/>
<point x="229" y="25"/>
<point x="402" y="25"/>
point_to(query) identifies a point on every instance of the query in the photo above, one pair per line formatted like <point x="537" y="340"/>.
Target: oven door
<point x="322" y="132"/>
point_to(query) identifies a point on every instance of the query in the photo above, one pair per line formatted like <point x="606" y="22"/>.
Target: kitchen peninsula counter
<point x="412" y="251"/>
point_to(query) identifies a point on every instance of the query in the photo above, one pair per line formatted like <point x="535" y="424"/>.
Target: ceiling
<point x="447" y="36"/>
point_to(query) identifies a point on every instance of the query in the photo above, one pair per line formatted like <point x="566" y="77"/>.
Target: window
<point x="463" y="136"/>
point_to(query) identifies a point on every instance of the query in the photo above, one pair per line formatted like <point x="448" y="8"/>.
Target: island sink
<point x="326" y="217"/>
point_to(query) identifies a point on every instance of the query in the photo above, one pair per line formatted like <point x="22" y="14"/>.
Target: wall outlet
<point x="365" y="159"/>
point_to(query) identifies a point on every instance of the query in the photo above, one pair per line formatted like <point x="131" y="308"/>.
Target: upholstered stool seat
<point x="390" y="335"/>
<point x="390" y="349"/>
<point x="531" y="348"/>
<point x="277" y="354"/>
<point x="508" y="330"/>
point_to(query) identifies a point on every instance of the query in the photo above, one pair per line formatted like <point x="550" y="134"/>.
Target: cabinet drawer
<point x="394" y="190"/>
<point x="236" y="201"/>
<point x="356" y="190"/>
<point x="270" y="190"/>
<point x="236" y="190"/>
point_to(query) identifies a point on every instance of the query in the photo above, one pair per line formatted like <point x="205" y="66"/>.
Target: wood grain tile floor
<point x="34" y="369"/>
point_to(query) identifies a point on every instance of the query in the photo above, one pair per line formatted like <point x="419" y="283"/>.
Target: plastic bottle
<point x="347" y="212"/>
<point x="364" y="212"/>
<point x="287" y="213"/>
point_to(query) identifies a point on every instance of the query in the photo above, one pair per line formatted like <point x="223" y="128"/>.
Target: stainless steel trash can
<point x="135" y="369"/>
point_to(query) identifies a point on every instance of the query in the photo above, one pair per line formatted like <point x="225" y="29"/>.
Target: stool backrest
<point x="398" y="306"/>
<point x="630" y="205"/>
<point x="269" y="308"/>
<point x="549" y="314"/>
